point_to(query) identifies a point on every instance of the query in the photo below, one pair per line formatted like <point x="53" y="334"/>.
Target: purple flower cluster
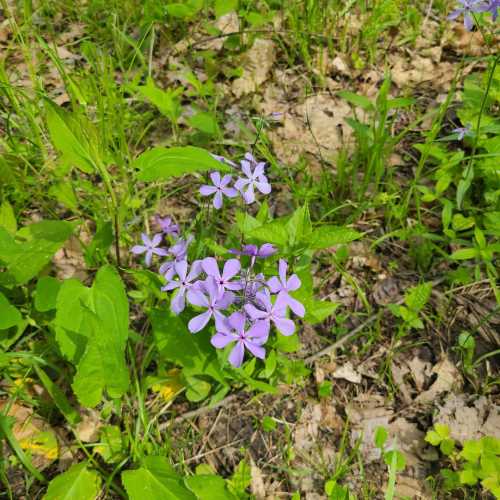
<point x="468" y="8"/>
<point x="252" y="178"/>
<point x="242" y="303"/>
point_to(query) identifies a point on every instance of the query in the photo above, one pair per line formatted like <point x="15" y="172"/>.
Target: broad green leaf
<point x="381" y="436"/>
<point x="223" y="7"/>
<point x="105" y="323"/>
<point x="328" y="236"/>
<point x="464" y="254"/>
<point x="155" y="480"/>
<point x="197" y="389"/>
<point x="246" y="223"/>
<point x="60" y="399"/>
<point x="9" y="314"/>
<point x="356" y="99"/>
<point x="461" y="223"/>
<point x="204" y="122"/>
<point x="163" y="163"/>
<point x="418" y="296"/>
<point x="112" y="445"/>
<point x="64" y="194"/>
<point x="8" y="218"/>
<point x="288" y="343"/>
<point x="273" y="232"/>
<point x="176" y="344"/>
<point x="77" y="483"/>
<point x="242" y="476"/>
<point x="209" y="487"/>
<point x="184" y="10"/>
<point x="299" y="225"/>
<point x="66" y="136"/>
<point x="24" y="260"/>
<point x="70" y="337"/>
<point x="433" y="438"/>
<point x="318" y="310"/>
<point x="396" y="459"/>
<point x="167" y="101"/>
<point x="101" y="242"/>
<point x="47" y="289"/>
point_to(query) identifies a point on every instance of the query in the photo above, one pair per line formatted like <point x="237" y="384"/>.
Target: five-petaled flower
<point x="178" y="252"/>
<point x="283" y="286"/>
<point x="230" y="270"/>
<point x="271" y="312"/>
<point x="183" y="284"/>
<point x="219" y="188"/>
<point x="233" y="330"/>
<point x="214" y="302"/>
<point x="150" y="247"/>
<point x="167" y="225"/>
<point x="468" y="8"/>
<point x="254" y="180"/>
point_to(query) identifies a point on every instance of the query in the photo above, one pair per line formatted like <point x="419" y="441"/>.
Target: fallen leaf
<point x="257" y="485"/>
<point x="347" y="372"/>
<point x="87" y="430"/>
<point x="228" y="23"/>
<point x="306" y="430"/>
<point x="257" y="64"/>
<point x="448" y="378"/>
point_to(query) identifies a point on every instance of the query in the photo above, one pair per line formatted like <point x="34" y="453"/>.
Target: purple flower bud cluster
<point x="468" y="8"/>
<point x="253" y="178"/>
<point x="242" y="303"/>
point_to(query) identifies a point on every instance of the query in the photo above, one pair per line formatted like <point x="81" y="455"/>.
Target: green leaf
<point x="381" y="436"/>
<point x="9" y="314"/>
<point x="447" y="446"/>
<point x="288" y="343"/>
<point x="273" y="232"/>
<point x="105" y="324"/>
<point x="471" y="450"/>
<point x="155" y="480"/>
<point x="47" y="289"/>
<point x="62" y="403"/>
<point x="112" y="444"/>
<point x="418" y="296"/>
<point x="42" y="240"/>
<point x="63" y="192"/>
<point x="77" y="483"/>
<point x="241" y="478"/>
<point x="328" y="236"/>
<point x="299" y="225"/>
<point x="464" y="254"/>
<point x="70" y="337"/>
<point x="66" y="136"/>
<point x="223" y="7"/>
<point x="167" y="101"/>
<point x="468" y="476"/>
<point x="8" y="218"/>
<point x="433" y="438"/>
<point x="204" y="122"/>
<point x="209" y="487"/>
<point x="101" y="242"/>
<point x="461" y="223"/>
<point x="163" y="163"/>
<point x="184" y="10"/>
<point x="176" y="344"/>
<point x="318" y="310"/>
<point x="399" y="459"/>
<point x="356" y="99"/>
<point x="197" y="389"/>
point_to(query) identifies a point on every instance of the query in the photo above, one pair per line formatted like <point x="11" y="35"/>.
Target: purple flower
<point x="183" y="284"/>
<point x="233" y="330"/>
<point x="283" y="286"/>
<point x="272" y="312"/>
<point x="462" y="131"/>
<point x="469" y="7"/>
<point x="256" y="179"/>
<point x="251" y="286"/>
<point x="224" y="160"/>
<point x="167" y="225"/>
<point x="214" y="303"/>
<point x="219" y="188"/>
<point x="231" y="268"/>
<point x="179" y="253"/>
<point x="492" y="8"/>
<point x="266" y="250"/>
<point x="149" y="248"/>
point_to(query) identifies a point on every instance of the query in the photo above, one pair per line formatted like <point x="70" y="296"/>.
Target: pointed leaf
<point x="77" y="483"/>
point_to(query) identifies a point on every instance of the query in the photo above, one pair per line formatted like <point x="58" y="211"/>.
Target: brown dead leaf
<point x="469" y="419"/>
<point x="306" y="430"/>
<point x="69" y="261"/>
<point x="347" y="372"/>
<point x="257" y="485"/>
<point x="34" y="435"/>
<point x="87" y="430"/>
<point x="228" y="23"/>
<point x="408" y="487"/>
<point x="257" y="64"/>
<point x="386" y="291"/>
<point x="470" y="43"/>
<point x="448" y="378"/>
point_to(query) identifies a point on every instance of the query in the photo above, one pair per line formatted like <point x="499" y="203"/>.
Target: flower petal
<point x="207" y="190"/>
<point x="284" y="325"/>
<point x="283" y="266"/>
<point x="230" y="192"/>
<point x="256" y="350"/>
<point x="274" y="284"/>
<point x="237" y="354"/>
<point x="181" y="269"/>
<point x="211" y="267"/>
<point x="178" y="303"/>
<point x="255" y="313"/>
<point x="258" y="333"/>
<point x="237" y="321"/>
<point x="138" y="249"/>
<point x="199" y="322"/>
<point x="148" y="258"/>
<point x="295" y="306"/>
<point x="197" y="298"/>
<point x="218" y="200"/>
<point x="293" y="283"/>
<point x="221" y="340"/>
<point x="156" y="239"/>
<point x="215" y="177"/>
<point x="231" y="268"/>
